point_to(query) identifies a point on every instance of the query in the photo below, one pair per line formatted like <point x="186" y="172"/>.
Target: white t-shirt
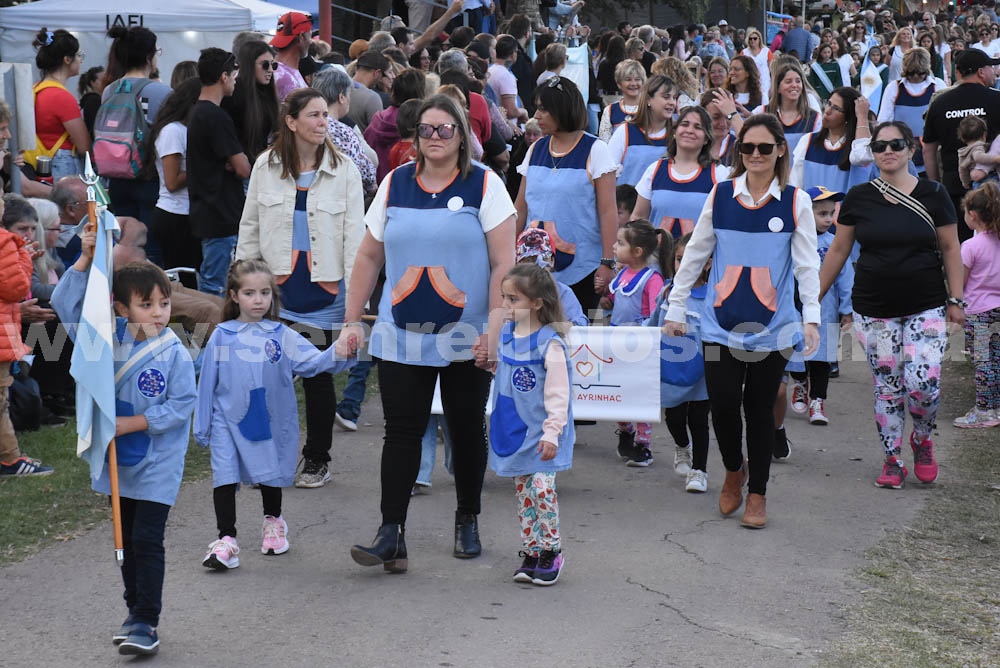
<point x="502" y="80"/>
<point x="993" y="50"/>
<point x="496" y="207"/>
<point x="599" y="163"/>
<point x="171" y="141"/>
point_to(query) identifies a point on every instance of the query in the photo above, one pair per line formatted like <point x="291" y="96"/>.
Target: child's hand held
<point x="548" y="450"/>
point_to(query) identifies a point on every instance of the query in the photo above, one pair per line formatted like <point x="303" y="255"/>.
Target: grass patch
<point x="931" y="591"/>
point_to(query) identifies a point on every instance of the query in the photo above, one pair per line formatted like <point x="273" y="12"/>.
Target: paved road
<point x="654" y="576"/>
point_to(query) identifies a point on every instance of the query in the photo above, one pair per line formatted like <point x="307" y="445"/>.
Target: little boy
<point x="809" y="386"/>
<point x="155" y="396"/>
<point x="403" y="151"/>
<point x="625" y="196"/>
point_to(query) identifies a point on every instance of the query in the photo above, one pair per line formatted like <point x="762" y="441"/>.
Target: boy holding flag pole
<point x="135" y="396"/>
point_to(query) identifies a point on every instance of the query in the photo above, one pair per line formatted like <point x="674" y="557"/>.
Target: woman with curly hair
<point x="744" y="84"/>
<point x="688" y="88"/>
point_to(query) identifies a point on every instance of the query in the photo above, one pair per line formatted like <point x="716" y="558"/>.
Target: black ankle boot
<point x="467" y="543"/>
<point x="388" y="549"/>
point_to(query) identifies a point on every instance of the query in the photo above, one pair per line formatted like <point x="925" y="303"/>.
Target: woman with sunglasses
<point x="987" y="43"/>
<point x="304" y="217"/>
<point x="640" y="142"/>
<point x="907" y="99"/>
<point x="836" y="157"/>
<point x="762" y="57"/>
<point x="568" y="189"/>
<point x="907" y="233"/>
<point x="673" y="190"/>
<point x="443" y="229"/>
<point x="253" y="105"/>
<point x="760" y="232"/>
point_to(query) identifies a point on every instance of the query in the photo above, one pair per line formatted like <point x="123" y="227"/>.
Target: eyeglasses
<point x="746" y="148"/>
<point x="269" y="65"/>
<point x="880" y="145"/>
<point x="984" y="32"/>
<point x="81" y="55"/>
<point x="159" y="51"/>
<point x="444" y="131"/>
<point x="53" y="229"/>
<point x="831" y="105"/>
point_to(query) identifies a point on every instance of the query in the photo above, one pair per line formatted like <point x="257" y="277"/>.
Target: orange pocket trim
<point x="407" y="284"/>
<point x="725" y="287"/>
<point x="445" y="288"/>
<point x="760" y="282"/>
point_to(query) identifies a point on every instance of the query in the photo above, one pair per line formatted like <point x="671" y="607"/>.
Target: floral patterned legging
<point x="904" y="355"/>
<point x="538" y="510"/>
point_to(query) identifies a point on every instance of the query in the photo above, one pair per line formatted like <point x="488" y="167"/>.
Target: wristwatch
<point x="730" y="115"/>
<point x="955" y="301"/>
<point x="608" y="262"/>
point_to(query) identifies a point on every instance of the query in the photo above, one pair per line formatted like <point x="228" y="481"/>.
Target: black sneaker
<point x="626" y="444"/>
<point x="50" y="419"/>
<point x="548" y="569"/>
<point x="643" y="457"/>
<point x="313" y="474"/>
<point x="527" y="570"/>
<point x="782" y="449"/>
<point x="834" y="370"/>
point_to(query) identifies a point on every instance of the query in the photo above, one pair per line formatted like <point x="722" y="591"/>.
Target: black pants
<point x="177" y="244"/>
<point x="584" y="291"/>
<point x="320" y="401"/>
<point x="739" y="380"/>
<point x="50" y="368"/>
<point x="691" y="415"/>
<point x="818" y="374"/>
<point x="143" y="525"/>
<point x="407" y="391"/>
<point x="964" y="233"/>
<point x="224" y="497"/>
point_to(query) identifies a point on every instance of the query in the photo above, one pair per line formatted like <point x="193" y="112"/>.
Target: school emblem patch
<point x="273" y="351"/>
<point x="524" y="379"/>
<point x="151" y="383"/>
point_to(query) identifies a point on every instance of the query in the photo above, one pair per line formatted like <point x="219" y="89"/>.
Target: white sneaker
<point x="682" y="460"/>
<point x="697" y="481"/>
<point x="816" y="414"/>
<point x="976" y="419"/>
<point x="345" y="423"/>
<point x="222" y="554"/>
<point x="800" y="397"/>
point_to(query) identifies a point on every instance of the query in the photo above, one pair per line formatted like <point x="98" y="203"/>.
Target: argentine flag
<point x="93" y="364"/>
<point x="871" y="83"/>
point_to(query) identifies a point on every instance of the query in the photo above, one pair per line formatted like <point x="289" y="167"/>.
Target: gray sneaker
<point x="313" y="474"/>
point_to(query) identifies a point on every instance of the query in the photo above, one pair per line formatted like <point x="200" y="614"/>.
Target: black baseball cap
<point x="971" y="59"/>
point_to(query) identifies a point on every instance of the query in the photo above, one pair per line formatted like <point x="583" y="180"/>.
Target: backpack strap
<point x="40" y="147"/>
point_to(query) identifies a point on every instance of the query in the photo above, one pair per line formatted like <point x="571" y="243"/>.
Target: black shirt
<point x="942" y="119"/>
<point x="898" y="272"/>
<point x="216" y="194"/>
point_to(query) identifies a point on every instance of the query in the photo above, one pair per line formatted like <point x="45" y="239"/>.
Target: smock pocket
<point x="256" y="424"/>
<point x="677" y="227"/>
<point x="565" y="251"/>
<point x="131" y="448"/>
<point x="745" y="295"/>
<point x="507" y="429"/>
<point x="425" y="295"/>
<point x="681" y="361"/>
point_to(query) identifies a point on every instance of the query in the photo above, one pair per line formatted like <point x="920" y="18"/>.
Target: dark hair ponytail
<point x="53" y="48"/>
<point x="132" y="49"/>
<point x="651" y="241"/>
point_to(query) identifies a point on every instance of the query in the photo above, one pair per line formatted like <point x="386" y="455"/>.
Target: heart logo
<point x="584" y="368"/>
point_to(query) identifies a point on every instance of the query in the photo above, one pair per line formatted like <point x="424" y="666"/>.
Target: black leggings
<point x="584" y="291"/>
<point x="320" y="400"/>
<point x="818" y="374"/>
<point x="407" y="391"/>
<point x="693" y="415"/>
<point x="225" y="506"/>
<point x="737" y="380"/>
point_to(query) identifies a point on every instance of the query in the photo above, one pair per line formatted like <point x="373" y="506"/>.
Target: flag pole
<point x="90" y="178"/>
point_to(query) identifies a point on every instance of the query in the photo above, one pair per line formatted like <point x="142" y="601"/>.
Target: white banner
<point x="615" y="374"/>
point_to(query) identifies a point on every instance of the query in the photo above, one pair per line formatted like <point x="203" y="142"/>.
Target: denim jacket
<point x="335" y="206"/>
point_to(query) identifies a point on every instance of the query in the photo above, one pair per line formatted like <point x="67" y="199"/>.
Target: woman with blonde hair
<point x="554" y="56"/>
<point x="686" y="84"/>
<point x="908" y="98"/>
<point x="900" y="46"/>
<point x="762" y="57"/>
<point x="630" y="77"/>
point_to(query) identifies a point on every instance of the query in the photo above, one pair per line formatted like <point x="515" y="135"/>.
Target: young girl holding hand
<point x="247" y="409"/>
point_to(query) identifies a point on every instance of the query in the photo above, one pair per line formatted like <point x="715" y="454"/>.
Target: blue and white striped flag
<point x="871" y="83"/>
<point x="93" y="363"/>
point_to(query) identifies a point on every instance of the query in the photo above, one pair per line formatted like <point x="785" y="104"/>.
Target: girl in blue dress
<point x="531" y="428"/>
<point x="247" y="409"/>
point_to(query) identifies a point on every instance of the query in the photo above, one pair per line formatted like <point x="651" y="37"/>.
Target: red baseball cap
<point x="290" y="26"/>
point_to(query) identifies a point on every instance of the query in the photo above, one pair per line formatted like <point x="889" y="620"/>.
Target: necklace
<point x="553" y="153"/>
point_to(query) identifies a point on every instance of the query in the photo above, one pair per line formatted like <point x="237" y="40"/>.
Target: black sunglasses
<point x="269" y="65"/>
<point x="880" y="145"/>
<point x="746" y="148"/>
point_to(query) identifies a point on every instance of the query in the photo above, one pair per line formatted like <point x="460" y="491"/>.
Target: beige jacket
<point x="335" y="210"/>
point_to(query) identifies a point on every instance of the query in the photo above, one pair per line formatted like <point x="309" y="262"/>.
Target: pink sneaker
<point x="222" y="554"/>
<point x="893" y="474"/>
<point x="273" y="533"/>
<point x="924" y="466"/>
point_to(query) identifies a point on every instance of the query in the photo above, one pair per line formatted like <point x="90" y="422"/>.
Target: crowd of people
<point x="442" y="202"/>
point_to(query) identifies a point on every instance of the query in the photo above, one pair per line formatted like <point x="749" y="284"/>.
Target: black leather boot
<point x="467" y="543"/>
<point x="388" y="549"/>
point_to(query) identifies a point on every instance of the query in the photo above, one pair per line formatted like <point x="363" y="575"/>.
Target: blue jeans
<point x="593" y="122"/>
<point x="143" y="525"/>
<point x="216" y="256"/>
<point x="64" y="163"/>
<point x="354" y="392"/>
<point x="428" y="449"/>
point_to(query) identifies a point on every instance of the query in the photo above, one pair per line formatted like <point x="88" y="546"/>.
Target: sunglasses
<point x="444" y="131"/>
<point x="555" y="82"/>
<point x="746" y="148"/>
<point x="880" y="145"/>
<point x="269" y="65"/>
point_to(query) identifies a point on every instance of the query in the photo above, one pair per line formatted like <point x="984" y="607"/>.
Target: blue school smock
<point x="676" y="204"/>
<point x="910" y="109"/>
<point x="794" y="132"/>
<point x="820" y="168"/>
<point x="437" y="266"/>
<point x="836" y="302"/>
<point x="561" y="199"/>
<point x="627" y="308"/>
<point x="247" y="410"/>
<point x="640" y="152"/>
<point x="519" y="406"/>
<point x="682" y="364"/>
<point x="750" y="302"/>
<point x="159" y="386"/>
<point x="571" y="306"/>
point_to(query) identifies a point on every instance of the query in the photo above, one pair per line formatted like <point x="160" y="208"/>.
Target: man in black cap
<point x="971" y="96"/>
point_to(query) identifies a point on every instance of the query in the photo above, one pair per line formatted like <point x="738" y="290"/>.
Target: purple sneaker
<point x="527" y="570"/>
<point x="549" y="566"/>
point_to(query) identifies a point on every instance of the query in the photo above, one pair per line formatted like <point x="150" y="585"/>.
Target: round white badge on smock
<point x="455" y="203"/>
<point x="776" y="224"/>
